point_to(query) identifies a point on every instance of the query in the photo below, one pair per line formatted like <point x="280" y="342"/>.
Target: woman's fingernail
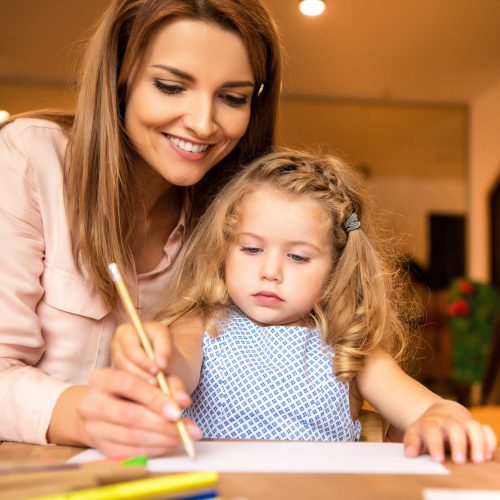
<point x="478" y="457"/>
<point x="459" y="458"/>
<point x="153" y="370"/>
<point x="171" y="412"/>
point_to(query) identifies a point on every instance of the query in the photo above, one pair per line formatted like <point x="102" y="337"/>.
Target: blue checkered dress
<point x="272" y="382"/>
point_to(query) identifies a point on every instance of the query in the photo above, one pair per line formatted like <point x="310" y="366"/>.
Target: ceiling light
<point x="312" y="7"/>
<point x="3" y="115"/>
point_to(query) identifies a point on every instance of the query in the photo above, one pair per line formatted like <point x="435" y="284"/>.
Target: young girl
<point x="286" y="319"/>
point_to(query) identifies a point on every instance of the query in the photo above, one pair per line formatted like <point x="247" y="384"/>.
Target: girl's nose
<point x="199" y="117"/>
<point x="271" y="269"/>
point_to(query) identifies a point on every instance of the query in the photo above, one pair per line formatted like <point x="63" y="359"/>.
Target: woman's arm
<point x="428" y="421"/>
<point x="27" y="395"/>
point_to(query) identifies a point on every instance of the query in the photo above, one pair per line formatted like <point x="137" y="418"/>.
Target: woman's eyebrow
<point x="191" y="78"/>
<point x="175" y="71"/>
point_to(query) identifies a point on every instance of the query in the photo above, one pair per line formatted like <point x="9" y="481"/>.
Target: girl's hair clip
<point x="261" y="88"/>
<point x="352" y="223"/>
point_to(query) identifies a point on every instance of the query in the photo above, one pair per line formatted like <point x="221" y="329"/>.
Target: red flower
<point x="459" y="308"/>
<point x="466" y="287"/>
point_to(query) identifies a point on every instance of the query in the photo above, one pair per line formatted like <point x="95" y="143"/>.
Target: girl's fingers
<point x="491" y="441"/>
<point x="477" y="441"/>
<point x="433" y="438"/>
<point x="482" y="441"/>
<point x="127" y="343"/>
<point x="162" y="348"/>
<point x="123" y="363"/>
<point x="412" y="442"/>
<point x="456" y="434"/>
<point x="462" y="437"/>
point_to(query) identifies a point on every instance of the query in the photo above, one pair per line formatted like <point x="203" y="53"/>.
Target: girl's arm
<point x="428" y="421"/>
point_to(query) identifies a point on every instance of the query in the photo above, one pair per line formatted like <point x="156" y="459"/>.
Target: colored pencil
<point x="140" y="489"/>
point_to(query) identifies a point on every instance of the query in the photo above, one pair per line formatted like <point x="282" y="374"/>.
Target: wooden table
<point x="303" y="486"/>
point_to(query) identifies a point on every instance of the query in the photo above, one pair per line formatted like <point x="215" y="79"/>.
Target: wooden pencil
<point x="146" y="344"/>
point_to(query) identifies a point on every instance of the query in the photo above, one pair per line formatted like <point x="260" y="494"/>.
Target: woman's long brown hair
<point x="101" y="196"/>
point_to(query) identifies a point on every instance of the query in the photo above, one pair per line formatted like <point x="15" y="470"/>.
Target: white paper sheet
<point x="286" y="456"/>
<point x="445" y="494"/>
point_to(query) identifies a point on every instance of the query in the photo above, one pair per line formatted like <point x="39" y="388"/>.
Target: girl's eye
<point x="234" y="101"/>
<point x="251" y="250"/>
<point x="298" y="258"/>
<point x="166" y="88"/>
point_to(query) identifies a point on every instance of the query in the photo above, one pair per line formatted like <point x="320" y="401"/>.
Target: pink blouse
<point x="54" y="327"/>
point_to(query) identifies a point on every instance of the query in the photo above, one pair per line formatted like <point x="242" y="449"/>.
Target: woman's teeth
<point x="187" y="146"/>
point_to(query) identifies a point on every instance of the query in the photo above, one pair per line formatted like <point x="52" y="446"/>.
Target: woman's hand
<point x="123" y="415"/>
<point x="446" y="423"/>
<point x="128" y="354"/>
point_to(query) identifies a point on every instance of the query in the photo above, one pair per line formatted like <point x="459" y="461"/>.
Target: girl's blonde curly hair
<point x="356" y="311"/>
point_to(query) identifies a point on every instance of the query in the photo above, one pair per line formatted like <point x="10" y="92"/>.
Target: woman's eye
<point x="234" y="101"/>
<point x="298" y="258"/>
<point x="251" y="250"/>
<point x="167" y="88"/>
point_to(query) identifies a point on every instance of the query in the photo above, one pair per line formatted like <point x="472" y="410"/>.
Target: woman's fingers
<point x="126" y="385"/>
<point x="123" y="414"/>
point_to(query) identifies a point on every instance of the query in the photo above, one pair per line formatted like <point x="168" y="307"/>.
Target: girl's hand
<point x="124" y="416"/>
<point x="448" y="423"/>
<point x="128" y="354"/>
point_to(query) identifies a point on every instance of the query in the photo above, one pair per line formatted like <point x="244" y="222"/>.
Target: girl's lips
<point x="268" y="298"/>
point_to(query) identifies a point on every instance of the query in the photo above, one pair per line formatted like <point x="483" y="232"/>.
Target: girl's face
<point x="188" y="101"/>
<point x="280" y="256"/>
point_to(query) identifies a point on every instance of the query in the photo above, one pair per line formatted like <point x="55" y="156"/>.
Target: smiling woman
<point x="168" y="110"/>
<point x="188" y="102"/>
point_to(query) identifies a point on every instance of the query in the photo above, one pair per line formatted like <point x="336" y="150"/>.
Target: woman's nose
<point x="199" y="117"/>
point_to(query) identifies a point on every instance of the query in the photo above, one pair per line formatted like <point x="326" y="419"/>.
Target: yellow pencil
<point x="141" y="488"/>
<point x="146" y="344"/>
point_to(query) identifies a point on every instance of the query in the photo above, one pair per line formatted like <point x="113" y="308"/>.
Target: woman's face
<point x="188" y="101"/>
